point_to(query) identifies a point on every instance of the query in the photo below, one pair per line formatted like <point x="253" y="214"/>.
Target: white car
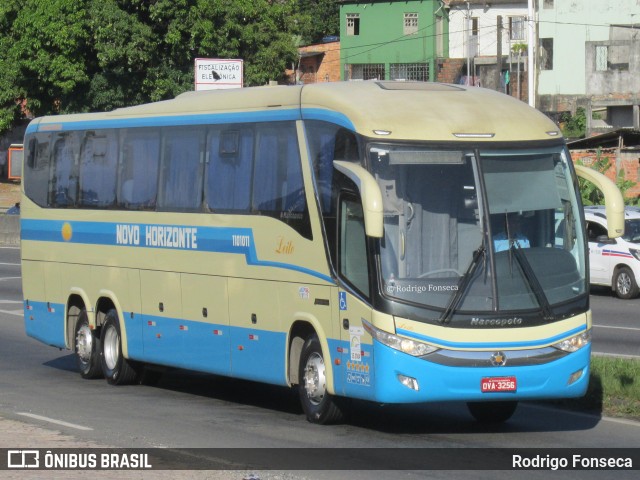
<point x="614" y="262"/>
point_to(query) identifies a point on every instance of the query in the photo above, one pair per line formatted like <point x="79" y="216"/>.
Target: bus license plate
<point x="498" y="384"/>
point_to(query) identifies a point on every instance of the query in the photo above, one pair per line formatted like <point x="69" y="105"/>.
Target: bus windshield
<point x="479" y="231"/>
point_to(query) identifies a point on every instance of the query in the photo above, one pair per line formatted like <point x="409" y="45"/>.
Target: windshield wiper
<point x="532" y="279"/>
<point x="463" y="284"/>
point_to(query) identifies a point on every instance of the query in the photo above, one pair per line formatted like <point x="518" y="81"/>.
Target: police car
<point x="614" y="262"/>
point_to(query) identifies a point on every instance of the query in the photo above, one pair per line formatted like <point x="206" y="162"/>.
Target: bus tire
<point x="625" y="283"/>
<point x="116" y="369"/>
<point x="87" y="348"/>
<point x="319" y="405"/>
<point x="492" y="412"/>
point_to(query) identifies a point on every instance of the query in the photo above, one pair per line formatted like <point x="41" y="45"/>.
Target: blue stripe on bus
<point x="167" y="121"/>
<point x="493" y="345"/>
<point x="44" y="321"/>
<point x="327" y="116"/>
<point x="207" y="239"/>
<point x="239" y="352"/>
<point x="195" y="119"/>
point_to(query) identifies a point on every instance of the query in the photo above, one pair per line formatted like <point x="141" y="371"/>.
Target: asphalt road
<point x="616" y="323"/>
<point x="39" y="386"/>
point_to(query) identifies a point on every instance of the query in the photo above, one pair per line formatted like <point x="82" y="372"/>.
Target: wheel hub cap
<point x="111" y="348"/>
<point x="314" y="379"/>
<point x="84" y="343"/>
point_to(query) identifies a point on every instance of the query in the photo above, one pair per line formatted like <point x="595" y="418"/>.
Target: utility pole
<point x="530" y="55"/>
<point x="468" y="38"/>
<point x="499" y="54"/>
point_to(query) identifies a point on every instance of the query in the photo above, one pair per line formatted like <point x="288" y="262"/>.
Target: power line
<point x="413" y="36"/>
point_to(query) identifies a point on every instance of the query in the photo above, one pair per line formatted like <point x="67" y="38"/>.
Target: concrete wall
<point x="487" y="14"/>
<point x="572" y="24"/>
<point x="603" y="82"/>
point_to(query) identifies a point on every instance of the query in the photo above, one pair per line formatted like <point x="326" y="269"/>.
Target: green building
<point x="392" y="40"/>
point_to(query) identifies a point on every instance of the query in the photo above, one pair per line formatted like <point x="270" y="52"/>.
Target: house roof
<point x="630" y="140"/>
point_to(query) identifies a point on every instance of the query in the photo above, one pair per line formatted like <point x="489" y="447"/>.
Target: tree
<point x="63" y="56"/>
<point x="43" y="60"/>
<point x="321" y="18"/>
<point x="574" y="126"/>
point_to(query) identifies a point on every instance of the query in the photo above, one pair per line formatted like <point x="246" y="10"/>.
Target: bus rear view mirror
<point x="614" y="203"/>
<point x="370" y="194"/>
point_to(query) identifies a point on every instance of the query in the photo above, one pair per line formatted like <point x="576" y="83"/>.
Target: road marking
<point x="53" y="420"/>
<point x="9" y="278"/>
<point x="618" y="328"/>
<point x="10" y="264"/>
<point x="19" y="313"/>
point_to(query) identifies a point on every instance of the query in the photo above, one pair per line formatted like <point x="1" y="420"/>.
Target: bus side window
<point x="329" y="142"/>
<point x="64" y="185"/>
<point x="98" y="169"/>
<point x="278" y="187"/>
<point x="181" y="174"/>
<point x="36" y="170"/>
<point x="139" y="169"/>
<point x="352" y="258"/>
<point x="228" y="175"/>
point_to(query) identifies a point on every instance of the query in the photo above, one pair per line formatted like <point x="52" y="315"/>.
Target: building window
<point x="546" y="54"/>
<point x="364" y="71"/>
<point x="353" y="24"/>
<point x="474" y="26"/>
<point x="602" y="52"/>
<point x="547" y="4"/>
<point x="409" y="71"/>
<point x="410" y="23"/>
<point x="517" y="28"/>
<point x="612" y="57"/>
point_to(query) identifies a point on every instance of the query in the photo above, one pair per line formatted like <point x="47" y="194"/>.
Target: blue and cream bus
<point x="338" y="238"/>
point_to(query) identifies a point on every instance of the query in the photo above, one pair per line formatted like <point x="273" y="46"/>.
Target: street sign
<point x="215" y="73"/>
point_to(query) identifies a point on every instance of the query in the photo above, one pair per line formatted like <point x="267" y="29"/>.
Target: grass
<point x="614" y="389"/>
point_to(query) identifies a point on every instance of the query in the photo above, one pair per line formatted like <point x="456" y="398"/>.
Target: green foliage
<point x="574" y="126"/>
<point x="519" y="48"/>
<point x="592" y="195"/>
<point x="320" y="18"/>
<point x="614" y="388"/>
<point x="63" y="56"/>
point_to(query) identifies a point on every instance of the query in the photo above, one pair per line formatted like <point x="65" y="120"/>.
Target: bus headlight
<point x="404" y="345"/>
<point x="575" y="343"/>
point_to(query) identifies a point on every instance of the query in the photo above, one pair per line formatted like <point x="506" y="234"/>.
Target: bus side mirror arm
<point x="370" y="194"/>
<point x="614" y="203"/>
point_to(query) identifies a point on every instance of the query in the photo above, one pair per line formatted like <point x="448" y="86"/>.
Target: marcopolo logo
<point x="495" y="322"/>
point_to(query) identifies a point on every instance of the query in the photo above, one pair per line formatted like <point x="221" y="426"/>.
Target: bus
<point x="335" y="238"/>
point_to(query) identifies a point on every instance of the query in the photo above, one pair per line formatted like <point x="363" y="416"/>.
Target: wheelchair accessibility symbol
<point x="343" y="300"/>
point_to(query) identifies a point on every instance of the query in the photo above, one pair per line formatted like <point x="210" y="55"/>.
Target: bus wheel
<point x="318" y="405"/>
<point x="492" y="412"/>
<point x="116" y="369"/>
<point x="87" y="348"/>
<point x="625" y="283"/>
